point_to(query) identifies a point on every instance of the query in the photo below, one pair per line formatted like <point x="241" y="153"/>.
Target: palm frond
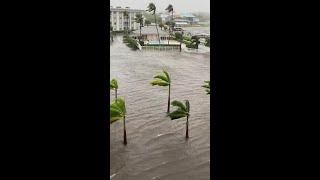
<point x="122" y="105"/>
<point x="162" y="77"/>
<point x="114" y="119"/>
<point x="188" y="106"/>
<point x="165" y="71"/>
<point x="159" y="83"/>
<point x="207" y="86"/>
<point x="177" y="114"/>
<point x="114" y="84"/>
<point x="179" y="104"/>
<point x="117" y="110"/>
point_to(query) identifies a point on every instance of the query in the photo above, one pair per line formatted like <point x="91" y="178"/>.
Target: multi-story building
<point x="119" y="22"/>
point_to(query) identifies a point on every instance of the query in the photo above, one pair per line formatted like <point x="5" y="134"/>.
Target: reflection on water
<point x="156" y="146"/>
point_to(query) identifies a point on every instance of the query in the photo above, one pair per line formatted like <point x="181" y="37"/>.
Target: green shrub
<point x="186" y="42"/>
<point x="191" y="46"/>
<point x="187" y="38"/>
<point x="132" y="43"/>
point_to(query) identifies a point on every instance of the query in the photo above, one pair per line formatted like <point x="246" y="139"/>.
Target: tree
<point x="111" y="36"/>
<point x="126" y="15"/>
<point x="196" y="41"/>
<point x="161" y="25"/>
<point x="147" y="22"/>
<point x="182" y="111"/>
<point x="163" y="80"/>
<point x="117" y="112"/>
<point x="207" y="41"/>
<point x="170" y="9"/>
<point x="207" y="86"/>
<point x="152" y="8"/>
<point x="179" y="36"/>
<point x="139" y="19"/>
<point x="114" y="86"/>
<point x="165" y="28"/>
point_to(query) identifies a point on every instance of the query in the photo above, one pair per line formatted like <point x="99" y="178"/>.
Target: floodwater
<point x="157" y="148"/>
<point x="196" y="30"/>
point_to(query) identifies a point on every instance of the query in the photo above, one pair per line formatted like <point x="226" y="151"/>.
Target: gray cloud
<point x="179" y="5"/>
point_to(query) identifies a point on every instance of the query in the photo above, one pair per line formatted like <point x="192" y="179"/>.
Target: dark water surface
<point x="157" y="148"/>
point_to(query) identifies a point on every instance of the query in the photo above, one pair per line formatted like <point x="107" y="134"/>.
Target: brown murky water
<point x="157" y="148"/>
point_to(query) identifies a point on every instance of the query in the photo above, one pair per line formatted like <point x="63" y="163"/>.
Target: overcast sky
<point x="181" y="6"/>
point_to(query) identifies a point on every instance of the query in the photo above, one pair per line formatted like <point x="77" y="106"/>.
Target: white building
<point x="119" y="22"/>
<point x="150" y="33"/>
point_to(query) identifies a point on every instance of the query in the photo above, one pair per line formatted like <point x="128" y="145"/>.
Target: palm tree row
<point x="118" y="108"/>
<point x="152" y="8"/>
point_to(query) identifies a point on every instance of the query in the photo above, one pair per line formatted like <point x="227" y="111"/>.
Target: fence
<point x="161" y="48"/>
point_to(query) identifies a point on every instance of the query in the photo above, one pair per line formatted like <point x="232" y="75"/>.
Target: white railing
<point x="160" y="48"/>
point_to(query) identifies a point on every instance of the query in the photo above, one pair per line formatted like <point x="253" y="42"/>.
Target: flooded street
<point x="157" y="148"/>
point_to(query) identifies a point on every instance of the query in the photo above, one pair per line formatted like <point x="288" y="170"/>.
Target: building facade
<point x="150" y="34"/>
<point x="119" y="22"/>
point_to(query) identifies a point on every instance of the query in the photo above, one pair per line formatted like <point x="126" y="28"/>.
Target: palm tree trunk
<point x="172" y="20"/>
<point x="140" y="34"/>
<point x="180" y="45"/>
<point x="168" y="110"/>
<point x="115" y="95"/>
<point x="187" y="127"/>
<point x="124" y="131"/>
<point x="155" y="20"/>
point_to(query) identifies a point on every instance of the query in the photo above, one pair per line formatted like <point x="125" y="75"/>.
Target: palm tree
<point x="170" y="9"/>
<point x="207" y="86"/>
<point x="114" y="86"/>
<point x="126" y="15"/>
<point x="163" y="80"/>
<point x="152" y="8"/>
<point x="182" y="111"/>
<point x="139" y="19"/>
<point x="117" y="112"/>
<point x="179" y="36"/>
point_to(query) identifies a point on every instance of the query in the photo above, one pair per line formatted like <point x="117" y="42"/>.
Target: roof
<point x="187" y="15"/>
<point x="181" y="20"/>
<point x="181" y="23"/>
<point x="150" y="30"/>
<point x="125" y="9"/>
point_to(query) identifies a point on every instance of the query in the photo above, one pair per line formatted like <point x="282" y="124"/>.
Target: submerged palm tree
<point x="170" y="9"/>
<point x="117" y="112"/>
<point x="114" y="86"/>
<point x="207" y="86"/>
<point x="139" y="19"/>
<point x="163" y="80"/>
<point x="182" y="111"/>
<point x="152" y="8"/>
